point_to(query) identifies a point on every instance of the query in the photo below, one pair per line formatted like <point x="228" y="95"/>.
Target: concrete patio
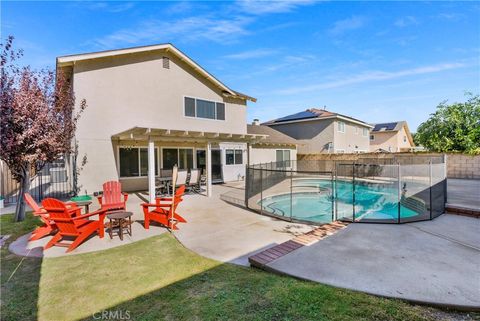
<point x="435" y="262"/>
<point x="215" y="229"/>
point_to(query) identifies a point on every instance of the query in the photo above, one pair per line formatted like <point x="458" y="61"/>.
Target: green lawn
<point x="157" y="279"/>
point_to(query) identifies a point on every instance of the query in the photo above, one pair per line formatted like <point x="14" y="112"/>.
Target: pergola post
<point x="208" y="165"/>
<point x="151" y="170"/>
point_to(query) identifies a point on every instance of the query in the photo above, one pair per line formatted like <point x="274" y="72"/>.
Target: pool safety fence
<point x="367" y="191"/>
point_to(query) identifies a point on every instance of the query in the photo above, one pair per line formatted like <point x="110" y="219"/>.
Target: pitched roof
<point x="389" y="127"/>
<point x="70" y="59"/>
<point x="314" y="114"/>
<point x="274" y="136"/>
<point x="394" y="127"/>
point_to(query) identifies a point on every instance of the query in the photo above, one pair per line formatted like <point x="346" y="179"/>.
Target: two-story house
<point x="391" y="137"/>
<point x="151" y="107"/>
<point x="322" y="131"/>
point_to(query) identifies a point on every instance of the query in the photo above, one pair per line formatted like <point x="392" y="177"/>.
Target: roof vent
<point x="166" y="62"/>
<point x="256" y="122"/>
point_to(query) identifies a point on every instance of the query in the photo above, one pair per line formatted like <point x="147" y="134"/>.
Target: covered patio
<point x="198" y="145"/>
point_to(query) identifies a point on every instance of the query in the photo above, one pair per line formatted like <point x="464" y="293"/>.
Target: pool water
<point x="314" y="202"/>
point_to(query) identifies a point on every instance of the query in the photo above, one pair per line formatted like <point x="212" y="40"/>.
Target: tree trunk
<point x="24" y="188"/>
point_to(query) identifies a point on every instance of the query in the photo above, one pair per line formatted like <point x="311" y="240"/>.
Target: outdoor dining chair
<point x="195" y="178"/>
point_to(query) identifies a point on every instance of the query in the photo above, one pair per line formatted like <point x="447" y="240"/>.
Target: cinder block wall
<point x="458" y="165"/>
<point x="463" y="166"/>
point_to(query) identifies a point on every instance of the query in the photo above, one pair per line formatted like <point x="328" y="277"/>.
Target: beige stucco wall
<point x="261" y="154"/>
<point x="135" y="90"/>
<point x="352" y="140"/>
<point x="314" y="136"/>
<point x="390" y="141"/>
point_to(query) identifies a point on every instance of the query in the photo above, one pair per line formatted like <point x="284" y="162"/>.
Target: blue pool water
<point x="312" y="200"/>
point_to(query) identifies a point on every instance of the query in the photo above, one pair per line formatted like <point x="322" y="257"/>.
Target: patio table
<point x="118" y="220"/>
<point x="165" y="181"/>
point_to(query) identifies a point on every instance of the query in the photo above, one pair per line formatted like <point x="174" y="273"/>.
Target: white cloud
<point x="406" y="21"/>
<point x="257" y="7"/>
<point x="372" y="76"/>
<point x="250" y="54"/>
<point x="113" y="7"/>
<point x="450" y="16"/>
<point x="186" y="29"/>
<point x="342" y="26"/>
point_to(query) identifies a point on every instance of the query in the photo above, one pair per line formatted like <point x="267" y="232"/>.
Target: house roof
<point x="70" y="59"/>
<point x="314" y="114"/>
<point x="393" y="127"/>
<point x="274" y="136"/>
<point x="389" y="127"/>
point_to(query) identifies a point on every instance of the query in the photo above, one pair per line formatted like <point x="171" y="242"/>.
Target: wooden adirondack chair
<point x="76" y="227"/>
<point x="113" y="198"/>
<point x="165" y="208"/>
<point x="48" y="225"/>
<point x="164" y="211"/>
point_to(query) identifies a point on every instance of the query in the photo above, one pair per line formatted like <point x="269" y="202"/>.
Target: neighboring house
<point x="322" y="131"/>
<point x="155" y="103"/>
<point x="391" y="137"/>
<point x="276" y="147"/>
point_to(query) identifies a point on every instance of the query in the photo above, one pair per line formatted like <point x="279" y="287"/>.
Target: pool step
<point x="269" y="255"/>
<point x="414" y="203"/>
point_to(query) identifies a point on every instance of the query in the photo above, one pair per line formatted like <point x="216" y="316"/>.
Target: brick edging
<point x="269" y="255"/>
<point x="464" y="211"/>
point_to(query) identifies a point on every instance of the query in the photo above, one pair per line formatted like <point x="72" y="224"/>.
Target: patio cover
<point x="153" y="135"/>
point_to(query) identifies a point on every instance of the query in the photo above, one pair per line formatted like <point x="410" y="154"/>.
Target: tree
<point x="37" y="118"/>
<point x="452" y="128"/>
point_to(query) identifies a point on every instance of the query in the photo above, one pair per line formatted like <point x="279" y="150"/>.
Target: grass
<point x="158" y="279"/>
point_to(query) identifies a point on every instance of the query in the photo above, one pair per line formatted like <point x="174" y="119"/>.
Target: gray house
<point x="322" y="131"/>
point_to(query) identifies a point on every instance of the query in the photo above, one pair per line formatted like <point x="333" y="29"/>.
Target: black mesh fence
<point x="376" y="190"/>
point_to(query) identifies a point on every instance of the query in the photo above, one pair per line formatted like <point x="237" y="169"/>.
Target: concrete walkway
<point x="463" y="193"/>
<point x="229" y="233"/>
<point x="436" y="262"/>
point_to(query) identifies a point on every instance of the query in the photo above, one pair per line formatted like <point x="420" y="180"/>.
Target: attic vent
<point x="166" y="62"/>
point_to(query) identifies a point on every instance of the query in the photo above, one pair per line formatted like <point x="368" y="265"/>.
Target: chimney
<point x="256" y="122"/>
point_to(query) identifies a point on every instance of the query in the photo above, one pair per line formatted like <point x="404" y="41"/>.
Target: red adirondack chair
<point x="76" y="227"/>
<point x="113" y="198"/>
<point x="164" y="211"/>
<point x="48" y="225"/>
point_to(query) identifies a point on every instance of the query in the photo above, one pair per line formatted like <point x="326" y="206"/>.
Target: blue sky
<point x="376" y="61"/>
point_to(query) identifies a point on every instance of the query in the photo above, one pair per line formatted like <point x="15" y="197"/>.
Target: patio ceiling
<point x="173" y="135"/>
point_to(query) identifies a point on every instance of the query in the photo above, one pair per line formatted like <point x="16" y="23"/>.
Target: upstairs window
<point x="404" y="139"/>
<point x="365" y="132"/>
<point x="200" y="108"/>
<point x="341" y="127"/>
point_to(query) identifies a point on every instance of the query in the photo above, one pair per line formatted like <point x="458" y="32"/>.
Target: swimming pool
<point x="313" y="200"/>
